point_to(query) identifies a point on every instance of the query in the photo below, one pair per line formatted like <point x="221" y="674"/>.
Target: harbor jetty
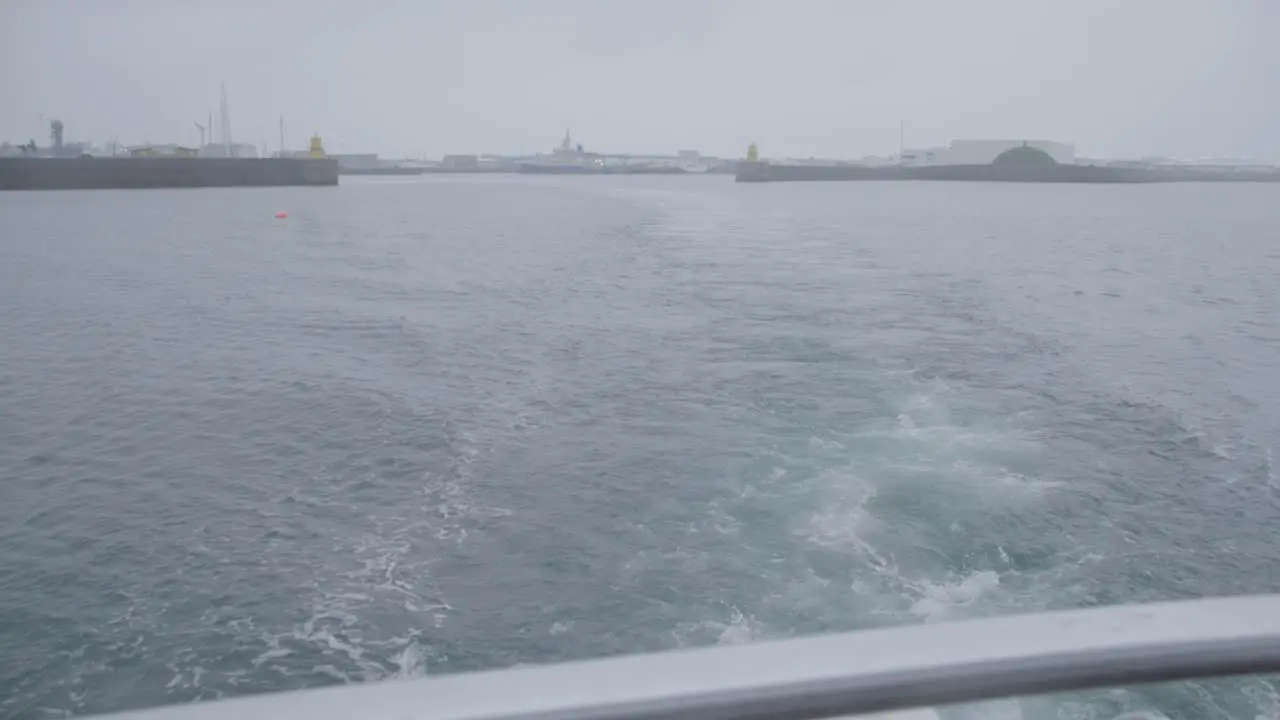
<point x="1020" y="163"/>
<point x="149" y="169"/>
<point x="92" y="173"/>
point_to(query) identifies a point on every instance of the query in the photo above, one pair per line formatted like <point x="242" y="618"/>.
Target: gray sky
<point x="801" y="77"/>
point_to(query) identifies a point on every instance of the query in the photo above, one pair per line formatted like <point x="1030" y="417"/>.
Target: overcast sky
<point x="801" y="77"/>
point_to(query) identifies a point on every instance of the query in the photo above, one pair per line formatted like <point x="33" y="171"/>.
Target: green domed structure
<point x="1024" y="156"/>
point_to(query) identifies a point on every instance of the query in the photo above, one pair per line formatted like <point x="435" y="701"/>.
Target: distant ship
<point x="571" y="159"/>
<point x="387" y="170"/>
<point x="567" y="159"/>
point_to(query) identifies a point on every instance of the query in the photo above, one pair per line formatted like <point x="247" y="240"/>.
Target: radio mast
<point x="224" y="125"/>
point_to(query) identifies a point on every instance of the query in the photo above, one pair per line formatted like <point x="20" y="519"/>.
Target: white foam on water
<point x="332" y="672"/>
<point x="945" y="440"/>
<point x="342" y="634"/>
<point x="735" y="628"/>
<point x="942" y="600"/>
<point x="925" y="442"/>
<point x="1265" y="698"/>
<point x="825" y="444"/>
<point x="718" y="519"/>
<point x="411" y="662"/>
<point x="924" y="410"/>
<point x="740" y="629"/>
<point x="1003" y="481"/>
<point x="1270" y="466"/>
<point x="844" y="518"/>
<point x="875" y="473"/>
<point x="373" y="619"/>
<point x="273" y="652"/>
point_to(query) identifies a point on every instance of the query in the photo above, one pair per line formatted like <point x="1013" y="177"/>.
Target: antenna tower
<point x="224" y="125"/>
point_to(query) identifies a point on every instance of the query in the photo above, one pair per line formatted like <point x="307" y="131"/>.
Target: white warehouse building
<point x="983" y="152"/>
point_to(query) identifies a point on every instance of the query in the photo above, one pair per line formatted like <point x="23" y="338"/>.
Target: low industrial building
<point x="460" y="162"/>
<point x="983" y="152"/>
<point x="357" y="161"/>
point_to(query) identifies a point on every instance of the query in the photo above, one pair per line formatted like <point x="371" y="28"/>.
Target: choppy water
<point x="426" y="426"/>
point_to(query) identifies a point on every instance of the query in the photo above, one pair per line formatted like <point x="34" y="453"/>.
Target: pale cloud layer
<point x="801" y="77"/>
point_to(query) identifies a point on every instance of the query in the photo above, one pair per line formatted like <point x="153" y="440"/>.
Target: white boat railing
<point x="824" y="676"/>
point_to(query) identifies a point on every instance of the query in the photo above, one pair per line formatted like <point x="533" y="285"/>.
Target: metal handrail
<point x="825" y="676"/>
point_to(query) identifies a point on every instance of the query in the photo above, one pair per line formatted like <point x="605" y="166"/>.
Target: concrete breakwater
<point x="768" y="172"/>
<point x="92" y="173"/>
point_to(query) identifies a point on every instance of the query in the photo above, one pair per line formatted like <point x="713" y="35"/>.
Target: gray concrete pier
<point x="93" y="173"/>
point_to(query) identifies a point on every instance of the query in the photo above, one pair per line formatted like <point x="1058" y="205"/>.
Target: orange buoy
<point x="281" y="215"/>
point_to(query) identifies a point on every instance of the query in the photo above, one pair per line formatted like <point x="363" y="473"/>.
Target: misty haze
<point x="823" y="79"/>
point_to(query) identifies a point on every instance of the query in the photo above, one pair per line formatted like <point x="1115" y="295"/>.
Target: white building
<point x="240" y="150"/>
<point x="167" y="150"/>
<point x="925" y="156"/>
<point x="983" y="152"/>
<point x="691" y="161"/>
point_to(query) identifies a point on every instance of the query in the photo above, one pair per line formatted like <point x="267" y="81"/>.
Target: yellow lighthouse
<point x="317" y="147"/>
<point x="753" y="155"/>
